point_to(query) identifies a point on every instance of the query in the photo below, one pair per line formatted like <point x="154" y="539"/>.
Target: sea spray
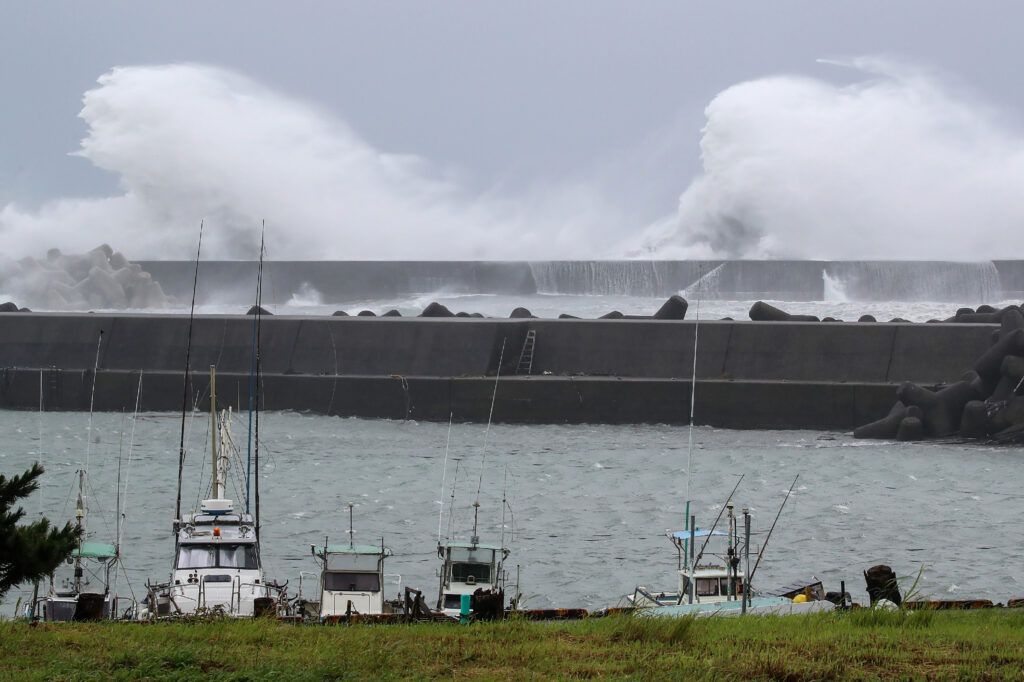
<point x="896" y="166"/>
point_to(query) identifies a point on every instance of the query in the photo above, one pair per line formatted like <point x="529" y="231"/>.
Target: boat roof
<point x="685" y="534"/>
<point x="358" y="549"/>
<point x="94" y="550"/>
<point x="470" y="545"/>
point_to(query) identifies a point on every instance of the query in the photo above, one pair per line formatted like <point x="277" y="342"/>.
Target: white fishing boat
<point x="719" y="579"/>
<point x="472" y="569"/>
<point x="217" y="567"/>
<point x="352" y="579"/>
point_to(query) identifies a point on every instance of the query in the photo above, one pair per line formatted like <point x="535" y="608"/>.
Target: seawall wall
<point x="750" y="374"/>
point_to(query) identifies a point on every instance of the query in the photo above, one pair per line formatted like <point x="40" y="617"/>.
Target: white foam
<point x="896" y="166"/>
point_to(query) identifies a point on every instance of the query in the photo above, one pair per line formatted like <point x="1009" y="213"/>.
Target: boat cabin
<point x="85" y="593"/>
<point x="217" y="566"/>
<point x="468" y="567"/>
<point x="352" y="579"/>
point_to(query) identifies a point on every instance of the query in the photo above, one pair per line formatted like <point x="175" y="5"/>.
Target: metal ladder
<point x="526" y="356"/>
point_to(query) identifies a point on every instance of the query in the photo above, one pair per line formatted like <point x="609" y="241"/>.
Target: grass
<point x="976" y="645"/>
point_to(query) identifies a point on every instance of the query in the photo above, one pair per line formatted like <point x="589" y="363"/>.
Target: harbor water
<point x="587" y="505"/>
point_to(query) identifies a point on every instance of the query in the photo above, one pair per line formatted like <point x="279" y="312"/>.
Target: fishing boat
<point x="217" y="567"/>
<point x="81" y="588"/>
<point x="352" y="579"/>
<point x="85" y="586"/>
<point x="474" y="571"/>
<point x="718" y="580"/>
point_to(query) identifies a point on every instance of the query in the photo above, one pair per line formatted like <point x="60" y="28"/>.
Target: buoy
<point x="800" y="599"/>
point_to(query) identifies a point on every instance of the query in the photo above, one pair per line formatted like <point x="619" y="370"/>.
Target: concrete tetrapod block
<point x="673" y="309"/>
<point x="883" y="428"/>
<point x="435" y="309"/>
<point x="1011" y="415"/>
<point x="936" y="416"/>
<point x="974" y="420"/>
<point x="987" y="366"/>
<point x="910" y="429"/>
<point x="762" y="312"/>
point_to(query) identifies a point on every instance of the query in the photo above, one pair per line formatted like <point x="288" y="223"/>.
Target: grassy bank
<point x="857" y="645"/>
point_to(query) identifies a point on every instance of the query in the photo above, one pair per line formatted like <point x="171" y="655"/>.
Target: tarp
<point x="95" y="550"/>
<point x="358" y="549"/>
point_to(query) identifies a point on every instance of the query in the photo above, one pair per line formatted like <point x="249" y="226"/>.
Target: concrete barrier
<point x="750" y="375"/>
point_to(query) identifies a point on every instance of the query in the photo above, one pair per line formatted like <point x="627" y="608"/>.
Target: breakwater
<point x="749" y="374"/>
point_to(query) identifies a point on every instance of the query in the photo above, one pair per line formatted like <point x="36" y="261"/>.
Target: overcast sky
<point x="497" y="98"/>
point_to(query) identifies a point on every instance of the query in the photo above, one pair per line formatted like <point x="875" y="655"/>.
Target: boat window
<point x="352" y="582"/>
<point x="724" y="586"/>
<point x="217" y="556"/>
<point x="453" y="601"/>
<point x="481" y="573"/>
<point x="352" y="562"/>
<point x="472" y="555"/>
<point x="707" y="587"/>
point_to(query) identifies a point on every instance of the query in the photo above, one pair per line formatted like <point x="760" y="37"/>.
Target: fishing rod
<point x="483" y="450"/>
<point x="769" y="537"/>
<point x="92" y="398"/>
<point x="693" y="401"/>
<point x="444" y="475"/>
<point x="700" y="555"/>
<point x="253" y="392"/>
<point x="451" y="508"/>
<point x="184" y="396"/>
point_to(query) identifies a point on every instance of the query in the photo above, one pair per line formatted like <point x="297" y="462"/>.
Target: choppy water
<point x="590" y="503"/>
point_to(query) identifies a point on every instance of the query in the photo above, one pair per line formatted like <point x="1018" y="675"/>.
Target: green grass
<point x="865" y="644"/>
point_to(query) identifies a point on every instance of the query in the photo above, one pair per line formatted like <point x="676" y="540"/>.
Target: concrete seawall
<point x="750" y="374"/>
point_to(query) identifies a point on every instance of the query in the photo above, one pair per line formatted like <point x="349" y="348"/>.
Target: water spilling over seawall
<point x="963" y="283"/>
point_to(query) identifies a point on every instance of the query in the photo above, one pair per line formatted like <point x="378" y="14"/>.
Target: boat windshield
<point x="468" y="573"/>
<point x="351" y="582"/>
<point x="713" y="587"/>
<point x="217" y="556"/>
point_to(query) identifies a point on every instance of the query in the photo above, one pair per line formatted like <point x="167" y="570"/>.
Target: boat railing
<point x="302" y="574"/>
<point x="641" y="591"/>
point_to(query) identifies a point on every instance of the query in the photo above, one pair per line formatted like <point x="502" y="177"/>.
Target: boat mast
<point x="213" y="432"/>
<point x="184" y="396"/>
<point x="351" y="530"/>
<point x="80" y="526"/>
